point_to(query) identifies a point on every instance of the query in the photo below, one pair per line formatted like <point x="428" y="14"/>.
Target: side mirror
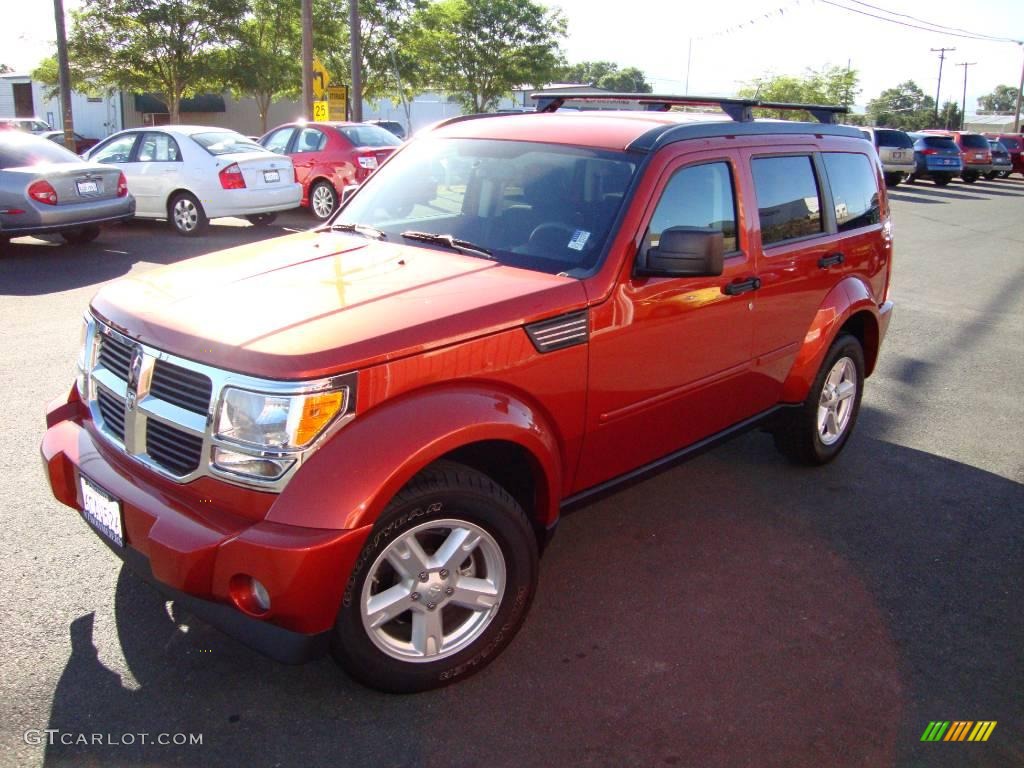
<point x="347" y="191"/>
<point x="683" y="252"/>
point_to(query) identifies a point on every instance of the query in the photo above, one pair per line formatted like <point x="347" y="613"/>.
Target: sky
<point x="725" y="55"/>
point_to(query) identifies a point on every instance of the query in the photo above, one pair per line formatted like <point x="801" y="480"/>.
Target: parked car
<point x="936" y="158"/>
<point x="45" y="188"/>
<point x="895" y="150"/>
<point x="189" y="174"/>
<point x="27" y="124"/>
<point x="360" y="437"/>
<point x="1002" y="164"/>
<point x="81" y="142"/>
<point x="1014" y="143"/>
<point x="974" y="151"/>
<point x="393" y="126"/>
<point x="330" y="156"/>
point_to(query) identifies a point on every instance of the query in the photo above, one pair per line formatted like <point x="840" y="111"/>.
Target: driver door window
<point x="117" y="151"/>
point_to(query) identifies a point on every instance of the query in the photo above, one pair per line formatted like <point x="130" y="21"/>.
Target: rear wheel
<point x="893" y="179"/>
<point x="969" y="177"/>
<point x="816" y="432"/>
<point x="186" y="215"/>
<point x="941" y="181"/>
<point x="81" y="235"/>
<point x="323" y="199"/>
<point x="991" y="175"/>
<point x="261" y="219"/>
<point x="442" y="585"/>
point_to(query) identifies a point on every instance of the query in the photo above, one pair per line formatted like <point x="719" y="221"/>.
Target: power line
<point x="915" y="26"/>
<point x="932" y="23"/>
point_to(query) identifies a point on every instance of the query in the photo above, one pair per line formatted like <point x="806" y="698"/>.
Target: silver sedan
<point x="45" y="188"/>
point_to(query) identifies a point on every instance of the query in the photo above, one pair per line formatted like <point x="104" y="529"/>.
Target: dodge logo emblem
<point x="134" y="369"/>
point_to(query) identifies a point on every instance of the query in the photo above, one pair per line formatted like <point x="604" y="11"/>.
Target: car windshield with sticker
<point x="546" y="207"/>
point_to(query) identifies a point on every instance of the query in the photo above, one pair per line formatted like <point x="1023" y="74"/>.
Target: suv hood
<point x="320" y="303"/>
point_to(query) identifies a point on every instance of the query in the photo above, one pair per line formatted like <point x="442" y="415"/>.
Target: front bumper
<point x="189" y="540"/>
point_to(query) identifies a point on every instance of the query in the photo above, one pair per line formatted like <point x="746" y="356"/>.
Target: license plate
<point x="102" y="511"/>
<point x="271" y="176"/>
<point x="897" y="155"/>
<point x="88" y="187"/>
<point x="978" y="156"/>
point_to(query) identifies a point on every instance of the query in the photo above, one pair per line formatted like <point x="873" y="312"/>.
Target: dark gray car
<point x="45" y="188"/>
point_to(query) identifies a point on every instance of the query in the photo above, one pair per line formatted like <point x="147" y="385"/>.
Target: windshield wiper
<point x="462" y="246"/>
<point x="359" y="229"/>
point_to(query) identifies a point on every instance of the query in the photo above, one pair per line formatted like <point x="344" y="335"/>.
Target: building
<point x="990" y="123"/>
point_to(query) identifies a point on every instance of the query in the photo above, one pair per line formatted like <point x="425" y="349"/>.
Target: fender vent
<point x="559" y="332"/>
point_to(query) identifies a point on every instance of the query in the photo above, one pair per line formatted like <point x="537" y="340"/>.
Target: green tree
<point x="167" y="47"/>
<point x="479" y="50"/>
<point x="47" y="74"/>
<point x="905" y="107"/>
<point x="5" y="68"/>
<point x="950" y="116"/>
<point x="1002" y="100"/>
<point x="829" y="85"/>
<point x="587" y="72"/>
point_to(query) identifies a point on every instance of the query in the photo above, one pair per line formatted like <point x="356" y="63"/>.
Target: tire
<point x="941" y="181"/>
<point x="186" y="215"/>
<point x="990" y="175"/>
<point x="910" y="178"/>
<point x="323" y="200"/>
<point x="969" y="178"/>
<point x="81" y="235"/>
<point x="893" y="179"/>
<point x="806" y="435"/>
<point x="444" y="503"/>
<point x="261" y="219"/>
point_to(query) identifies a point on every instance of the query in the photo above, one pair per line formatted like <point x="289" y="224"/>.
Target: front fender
<point x="848" y="297"/>
<point x="350" y="480"/>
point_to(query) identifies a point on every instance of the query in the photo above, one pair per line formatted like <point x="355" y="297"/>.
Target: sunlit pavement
<point x="735" y="611"/>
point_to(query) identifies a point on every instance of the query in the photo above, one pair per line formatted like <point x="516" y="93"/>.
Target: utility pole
<point x="64" y="76"/>
<point x="1016" y="112"/>
<point x="357" y="60"/>
<point x="963" y="104"/>
<point x="938" y="91"/>
<point x="689" y="58"/>
<point x="307" y="59"/>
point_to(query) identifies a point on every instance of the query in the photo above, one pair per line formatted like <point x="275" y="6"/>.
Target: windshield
<point x="1010" y="143"/>
<point x="226" y="143"/>
<point x="545" y="207"/>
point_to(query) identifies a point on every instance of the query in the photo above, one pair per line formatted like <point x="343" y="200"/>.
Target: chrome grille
<point x="180" y="386"/>
<point x="112" y="409"/>
<point x="173" y="449"/>
<point x="115" y="356"/>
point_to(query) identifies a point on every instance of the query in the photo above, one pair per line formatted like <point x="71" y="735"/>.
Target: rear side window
<point x="854" y="189"/>
<point x="158" y="148"/>
<point x="1010" y="143"/>
<point x="890" y="138"/>
<point x="699" y="196"/>
<point x="788" y="203"/>
<point x="973" y="141"/>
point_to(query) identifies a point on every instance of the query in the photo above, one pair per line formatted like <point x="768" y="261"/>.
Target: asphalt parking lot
<point x="734" y="611"/>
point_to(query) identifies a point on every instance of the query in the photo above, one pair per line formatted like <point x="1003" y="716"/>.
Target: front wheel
<point x="816" y="432"/>
<point x="187" y="215"/>
<point x="443" y="583"/>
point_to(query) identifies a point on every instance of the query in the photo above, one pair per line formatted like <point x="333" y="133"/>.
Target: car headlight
<point x="273" y="422"/>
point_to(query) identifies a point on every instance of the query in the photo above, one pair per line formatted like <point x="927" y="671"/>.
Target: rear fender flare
<point x="350" y="480"/>
<point x="849" y="297"/>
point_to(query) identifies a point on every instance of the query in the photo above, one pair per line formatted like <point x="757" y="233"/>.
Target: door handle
<point x="833" y="258"/>
<point x="737" y="287"/>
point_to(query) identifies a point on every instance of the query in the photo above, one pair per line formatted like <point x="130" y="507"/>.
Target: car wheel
<point x="261" y="219"/>
<point x="323" y="199"/>
<point x="969" y="178"/>
<point x="187" y="215"/>
<point x="442" y="585"/>
<point x="81" y="235"/>
<point x="893" y="179"/>
<point x="941" y="181"/>
<point x="991" y="175"/>
<point x="816" y="432"/>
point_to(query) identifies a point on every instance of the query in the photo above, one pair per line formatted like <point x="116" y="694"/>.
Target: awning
<point x="203" y="102"/>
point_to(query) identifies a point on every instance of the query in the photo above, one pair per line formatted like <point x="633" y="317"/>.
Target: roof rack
<point x="740" y="110"/>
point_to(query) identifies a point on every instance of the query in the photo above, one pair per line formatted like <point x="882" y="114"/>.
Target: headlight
<point x="277" y="422"/>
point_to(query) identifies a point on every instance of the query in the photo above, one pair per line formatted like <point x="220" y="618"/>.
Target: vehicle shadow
<point x="935" y="192"/>
<point x="736" y="610"/>
<point x="914" y="199"/>
<point x="36" y="266"/>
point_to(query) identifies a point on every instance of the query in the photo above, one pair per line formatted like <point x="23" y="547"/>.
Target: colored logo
<point x="958" y="730"/>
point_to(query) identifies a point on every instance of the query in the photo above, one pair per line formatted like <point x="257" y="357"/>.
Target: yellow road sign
<point x="337" y="100"/>
<point x="321" y="112"/>
<point x="320" y="78"/>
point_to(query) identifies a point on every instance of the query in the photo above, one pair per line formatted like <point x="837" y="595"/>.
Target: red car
<point x="365" y="441"/>
<point x="330" y="156"/>
<point x="974" y="151"/>
<point x="1014" y="143"/>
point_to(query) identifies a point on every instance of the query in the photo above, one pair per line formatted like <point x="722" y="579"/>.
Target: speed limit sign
<point x="321" y="111"/>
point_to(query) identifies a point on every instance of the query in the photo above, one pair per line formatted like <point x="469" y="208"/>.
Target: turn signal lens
<point x="317" y="412"/>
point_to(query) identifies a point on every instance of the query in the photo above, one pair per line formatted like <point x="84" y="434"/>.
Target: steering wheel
<point x="551" y="235"/>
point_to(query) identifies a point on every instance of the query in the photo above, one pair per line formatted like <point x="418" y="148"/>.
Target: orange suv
<point x="360" y="438"/>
